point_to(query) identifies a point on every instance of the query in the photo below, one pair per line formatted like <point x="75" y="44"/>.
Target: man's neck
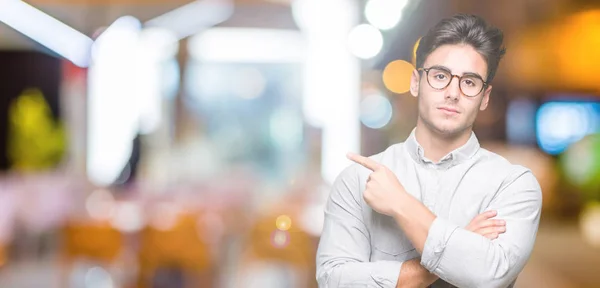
<point x="436" y="146"/>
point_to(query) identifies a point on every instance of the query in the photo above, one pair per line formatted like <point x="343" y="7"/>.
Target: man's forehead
<point x="459" y="59"/>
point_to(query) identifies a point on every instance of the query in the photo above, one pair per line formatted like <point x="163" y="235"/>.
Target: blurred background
<point x="178" y="143"/>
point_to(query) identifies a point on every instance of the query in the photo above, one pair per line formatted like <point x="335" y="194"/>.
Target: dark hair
<point x="465" y="29"/>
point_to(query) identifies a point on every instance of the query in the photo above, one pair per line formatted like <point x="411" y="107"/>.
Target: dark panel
<point x="20" y="70"/>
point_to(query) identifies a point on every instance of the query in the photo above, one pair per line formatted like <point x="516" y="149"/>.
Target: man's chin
<point x="449" y="131"/>
<point x="445" y="128"/>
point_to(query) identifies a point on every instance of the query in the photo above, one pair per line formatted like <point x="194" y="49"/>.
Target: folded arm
<point x="466" y="259"/>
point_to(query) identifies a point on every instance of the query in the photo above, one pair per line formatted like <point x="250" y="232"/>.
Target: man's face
<point x="448" y="111"/>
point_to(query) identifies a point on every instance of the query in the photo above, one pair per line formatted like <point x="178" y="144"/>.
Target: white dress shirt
<point x="362" y="248"/>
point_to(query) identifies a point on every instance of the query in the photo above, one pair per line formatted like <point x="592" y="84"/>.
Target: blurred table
<point x="561" y="259"/>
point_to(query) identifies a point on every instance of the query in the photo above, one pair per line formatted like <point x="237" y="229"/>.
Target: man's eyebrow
<point x="473" y="74"/>
<point x="444" y="68"/>
<point x="440" y="67"/>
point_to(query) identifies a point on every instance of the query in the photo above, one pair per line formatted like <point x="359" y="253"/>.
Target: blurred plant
<point x="36" y="141"/>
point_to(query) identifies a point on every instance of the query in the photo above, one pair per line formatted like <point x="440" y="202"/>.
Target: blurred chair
<point x="94" y="241"/>
<point x="284" y="249"/>
<point x="3" y="254"/>
<point x="178" y="250"/>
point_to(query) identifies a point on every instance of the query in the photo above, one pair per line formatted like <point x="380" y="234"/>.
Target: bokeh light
<point x="165" y="216"/>
<point x="97" y="277"/>
<point x="283" y="222"/>
<point x="396" y="76"/>
<point x="128" y="217"/>
<point x="365" y="41"/>
<point x="559" y="124"/>
<point x="100" y="204"/>
<point x="589" y="222"/>
<point x="280" y="239"/>
<point x="581" y="165"/>
<point x="384" y="14"/>
<point x="375" y="111"/>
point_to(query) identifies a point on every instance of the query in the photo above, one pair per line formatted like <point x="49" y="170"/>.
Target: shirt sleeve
<point x="466" y="259"/>
<point x="344" y="248"/>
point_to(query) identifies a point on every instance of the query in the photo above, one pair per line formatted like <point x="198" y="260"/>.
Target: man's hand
<point x="489" y="228"/>
<point x="383" y="190"/>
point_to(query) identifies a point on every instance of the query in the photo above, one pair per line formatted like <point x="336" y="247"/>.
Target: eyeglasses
<point x="438" y="78"/>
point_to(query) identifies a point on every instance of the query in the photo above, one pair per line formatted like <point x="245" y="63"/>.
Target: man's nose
<point x="453" y="89"/>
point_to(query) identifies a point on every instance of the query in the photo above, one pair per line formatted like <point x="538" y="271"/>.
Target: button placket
<point x="428" y="189"/>
<point x="435" y="188"/>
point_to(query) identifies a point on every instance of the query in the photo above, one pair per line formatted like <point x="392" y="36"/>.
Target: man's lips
<point x="449" y="109"/>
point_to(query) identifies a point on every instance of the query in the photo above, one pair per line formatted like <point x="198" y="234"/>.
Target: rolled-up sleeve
<point x="344" y="248"/>
<point x="466" y="259"/>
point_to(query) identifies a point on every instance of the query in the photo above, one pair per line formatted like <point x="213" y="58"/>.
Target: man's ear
<point x="414" y="83"/>
<point x="486" y="98"/>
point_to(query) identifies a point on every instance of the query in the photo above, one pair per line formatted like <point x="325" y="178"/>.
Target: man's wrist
<point x="404" y="200"/>
<point x="415" y="275"/>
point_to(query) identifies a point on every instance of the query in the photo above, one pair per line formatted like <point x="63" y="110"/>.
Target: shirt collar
<point x="461" y="154"/>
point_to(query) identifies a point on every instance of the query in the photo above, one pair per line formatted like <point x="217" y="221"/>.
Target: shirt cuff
<point x="439" y="233"/>
<point x="387" y="273"/>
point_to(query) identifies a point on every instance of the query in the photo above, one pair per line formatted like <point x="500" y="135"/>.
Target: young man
<point x="420" y="213"/>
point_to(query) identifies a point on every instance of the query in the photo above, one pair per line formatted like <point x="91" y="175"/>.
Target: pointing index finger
<point x="364" y="161"/>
